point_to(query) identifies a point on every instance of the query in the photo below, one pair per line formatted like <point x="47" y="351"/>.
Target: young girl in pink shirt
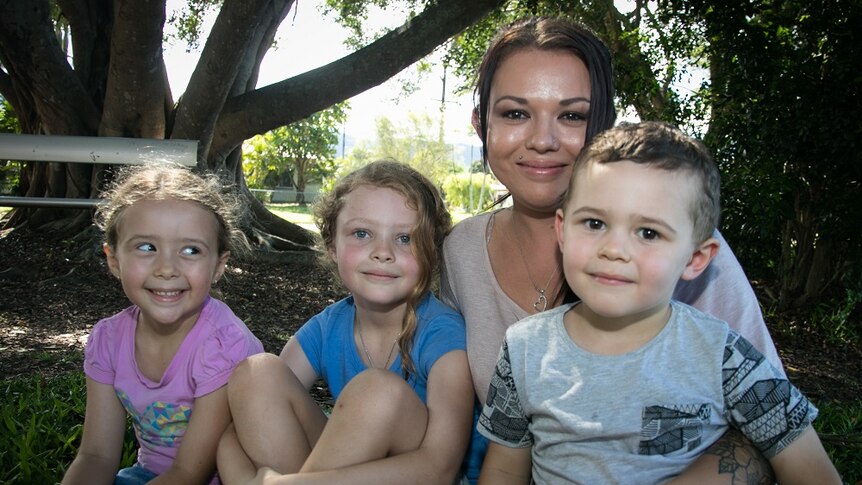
<point x="165" y="360"/>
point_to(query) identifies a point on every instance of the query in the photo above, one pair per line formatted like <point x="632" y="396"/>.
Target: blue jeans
<point x="136" y="475"/>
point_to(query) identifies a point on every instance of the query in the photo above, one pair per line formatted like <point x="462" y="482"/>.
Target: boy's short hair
<point x="663" y="146"/>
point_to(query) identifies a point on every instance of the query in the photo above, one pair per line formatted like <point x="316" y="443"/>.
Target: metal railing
<point x="89" y="149"/>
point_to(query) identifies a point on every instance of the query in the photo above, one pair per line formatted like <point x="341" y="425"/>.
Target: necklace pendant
<point x="541" y="303"/>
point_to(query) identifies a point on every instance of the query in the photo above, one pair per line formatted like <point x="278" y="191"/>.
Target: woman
<point x="545" y="88"/>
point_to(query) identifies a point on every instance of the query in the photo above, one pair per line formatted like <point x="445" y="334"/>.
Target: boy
<point x="628" y="386"/>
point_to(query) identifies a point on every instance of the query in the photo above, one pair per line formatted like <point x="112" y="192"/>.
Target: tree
<point x="415" y="143"/>
<point x="652" y="51"/>
<point x="305" y="148"/>
<point x="117" y="85"/>
<point x="786" y="94"/>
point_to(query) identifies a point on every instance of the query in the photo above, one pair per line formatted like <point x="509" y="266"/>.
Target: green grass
<point x="41" y="421"/>
<point x="840" y="428"/>
<point x="302" y="215"/>
<point x="295" y="213"/>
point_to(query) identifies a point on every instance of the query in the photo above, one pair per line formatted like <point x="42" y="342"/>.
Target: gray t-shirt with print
<point x="640" y="417"/>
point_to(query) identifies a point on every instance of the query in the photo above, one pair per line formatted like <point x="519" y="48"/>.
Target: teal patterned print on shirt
<point x="161" y="423"/>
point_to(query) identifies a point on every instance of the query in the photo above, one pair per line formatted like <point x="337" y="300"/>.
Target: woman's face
<point x="537" y="121"/>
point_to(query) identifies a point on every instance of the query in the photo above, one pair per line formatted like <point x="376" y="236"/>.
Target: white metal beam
<point x="97" y="149"/>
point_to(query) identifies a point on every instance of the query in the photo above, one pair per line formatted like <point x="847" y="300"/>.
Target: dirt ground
<point x="52" y="292"/>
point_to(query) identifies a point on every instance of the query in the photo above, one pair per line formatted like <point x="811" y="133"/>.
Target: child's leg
<point x="277" y="423"/>
<point x="377" y="415"/>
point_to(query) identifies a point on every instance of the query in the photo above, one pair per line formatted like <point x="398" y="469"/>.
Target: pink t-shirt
<point x="161" y="410"/>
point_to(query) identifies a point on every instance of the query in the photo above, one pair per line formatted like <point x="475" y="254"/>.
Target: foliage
<point x="840" y="428"/>
<point x="471" y="192"/>
<point x="9" y="171"/>
<point x="42" y="421"/>
<point x="301" y="151"/>
<point x="188" y="21"/>
<point x="835" y="321"/>
<point x="785" y="96"/>
<point x="415" y="144"/>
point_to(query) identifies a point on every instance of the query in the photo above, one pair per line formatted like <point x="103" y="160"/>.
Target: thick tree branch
<point x="91" y="22"/>
<point x="229" y="42"/>
<point x="134" y="100"/>
<point x="293" y="99"/>
<point x="37" y="65"/>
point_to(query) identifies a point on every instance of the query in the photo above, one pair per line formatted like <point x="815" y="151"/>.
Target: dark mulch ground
<point x="52" y="292"/>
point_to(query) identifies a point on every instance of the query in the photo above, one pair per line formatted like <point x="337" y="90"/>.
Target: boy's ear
<point x="559" y="221"/>
<point x="700" y="259"/>
<point x="111" y="259"/>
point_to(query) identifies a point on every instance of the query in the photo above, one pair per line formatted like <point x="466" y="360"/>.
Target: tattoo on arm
<point x="740" y="458"/>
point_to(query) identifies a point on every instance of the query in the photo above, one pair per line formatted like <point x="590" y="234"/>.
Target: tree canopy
<point x="302" y="149"/>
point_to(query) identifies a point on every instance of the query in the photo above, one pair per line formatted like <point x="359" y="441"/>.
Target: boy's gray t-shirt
<point x="640" y="417"/>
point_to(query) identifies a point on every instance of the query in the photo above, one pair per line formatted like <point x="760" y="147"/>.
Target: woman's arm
<point x="196" y="458"/>
<point x="98" y="458"/>
<point x="805" y="461"/>
<point x="506" y="466"/>
<point x="730" y="460"/>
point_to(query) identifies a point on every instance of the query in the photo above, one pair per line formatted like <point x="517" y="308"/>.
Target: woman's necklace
<point x="364" y="349"/>
<point x="541" y="303"/>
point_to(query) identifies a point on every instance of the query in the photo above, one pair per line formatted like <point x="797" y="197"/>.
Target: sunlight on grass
<point x="302" y="216"/>
<point x="295" y="213"/>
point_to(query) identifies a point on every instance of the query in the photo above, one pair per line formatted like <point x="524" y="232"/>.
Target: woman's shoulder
<point x="466" y="244"/>
<point x="471" y="225"/>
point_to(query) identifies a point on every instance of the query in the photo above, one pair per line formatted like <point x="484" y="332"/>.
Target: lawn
<point x="302" y="215"/>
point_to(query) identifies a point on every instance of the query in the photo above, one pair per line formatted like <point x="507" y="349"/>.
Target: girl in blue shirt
<point x="392" y="354"/>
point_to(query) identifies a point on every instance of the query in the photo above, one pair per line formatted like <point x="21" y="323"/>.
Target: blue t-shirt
<point x="327" y="340"/>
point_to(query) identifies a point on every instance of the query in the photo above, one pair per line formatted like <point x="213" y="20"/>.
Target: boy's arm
<point x="98" y="457"/>
<point x="506" y="466"/>
<point x="805" y="461"/>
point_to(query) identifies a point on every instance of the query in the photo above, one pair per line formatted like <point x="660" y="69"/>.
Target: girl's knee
<point x="264" y="371"/>
<point x="381" y="393"/>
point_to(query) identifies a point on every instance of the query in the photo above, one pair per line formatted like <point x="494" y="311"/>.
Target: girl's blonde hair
<point x="162" y="182"/>
<point x="426" y="239"/>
